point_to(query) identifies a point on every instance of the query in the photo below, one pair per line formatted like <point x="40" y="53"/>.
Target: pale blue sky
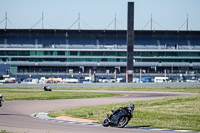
<point x="98" y="14"/>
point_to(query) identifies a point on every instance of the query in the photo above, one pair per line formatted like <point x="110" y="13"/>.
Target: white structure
<point x="70" y="80"/>
<point x="161" y="79"/>
<point x="30" y="81"/>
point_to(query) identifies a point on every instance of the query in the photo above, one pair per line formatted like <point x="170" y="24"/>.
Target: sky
<point x="99" y="14"/>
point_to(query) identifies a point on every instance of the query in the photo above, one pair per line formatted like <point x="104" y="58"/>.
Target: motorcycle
<point x="1" y="99"/>
<point x="46" y="88"/>
<point x="120" y="117"/>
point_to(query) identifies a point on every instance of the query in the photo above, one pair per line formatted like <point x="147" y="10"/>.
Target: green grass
<point x="165" y="89"/>
<point x="171" y="113"/>
<point x="181" y="113"/>
<point x="4" y="131"/>
<point x="9" y="95"/>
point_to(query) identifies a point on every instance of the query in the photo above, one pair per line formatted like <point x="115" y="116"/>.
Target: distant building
<point x="102" y="51"/>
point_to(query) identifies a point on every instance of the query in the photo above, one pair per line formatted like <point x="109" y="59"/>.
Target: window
<point x="61" y="53"/>
<point x="23" y="53"/>
<point x="49" y="53"/>
<point x="98" y="53"/>
<point x="73" y="52"/>
<point x="121" y="53"/>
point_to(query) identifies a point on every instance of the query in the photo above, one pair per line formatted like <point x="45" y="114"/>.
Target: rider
<point x="1" y="99"/>
<point x="129" y="108"/>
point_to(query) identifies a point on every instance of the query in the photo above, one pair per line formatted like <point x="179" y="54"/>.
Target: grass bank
<point x="181" y="113"/>
<point x="164" y="89"/>
<point x="44" y="95"/>
<point x="4" y="131"/>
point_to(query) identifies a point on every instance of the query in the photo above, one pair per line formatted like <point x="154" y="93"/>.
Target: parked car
<point x="70" y="80"/>
<point x="30" y="81"/>
<point x="136" y="80"/>
<point x="161" y="79"/>
<point x="146" y="79"/>
<point x="192" y="79"/>
<point x="104" y="80"/>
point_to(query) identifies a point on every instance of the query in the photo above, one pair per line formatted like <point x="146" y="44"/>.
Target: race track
<point x="15" y="116"/>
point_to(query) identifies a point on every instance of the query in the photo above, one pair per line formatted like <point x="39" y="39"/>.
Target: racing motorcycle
<point x="1" y="99"/>
<point x="47" y="88"/>
<point x="120" y="117"/>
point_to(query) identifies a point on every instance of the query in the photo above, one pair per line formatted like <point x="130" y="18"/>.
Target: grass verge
<point x="181" y="113"/>
<point x="165" y="89"/>
<point x="4" y="131"/>
<point x="10" y="95"/>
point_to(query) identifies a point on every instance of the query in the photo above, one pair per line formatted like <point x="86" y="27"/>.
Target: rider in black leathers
<point x="1" y="99"/>
<point x="120" y="117"/>
<point x="129" y="108"/>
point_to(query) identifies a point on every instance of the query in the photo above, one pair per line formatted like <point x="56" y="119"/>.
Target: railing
<point x="103" y="74"/>
<point x="100" y="46"/>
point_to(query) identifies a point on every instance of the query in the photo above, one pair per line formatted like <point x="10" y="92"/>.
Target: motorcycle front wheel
<point x="106" y="123"/>
<point x="123" y="121"/>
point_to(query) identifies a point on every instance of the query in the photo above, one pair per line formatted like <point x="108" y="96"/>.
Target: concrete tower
<point x="130" y="40"/>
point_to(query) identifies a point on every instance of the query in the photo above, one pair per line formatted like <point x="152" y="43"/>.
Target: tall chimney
<point x="129" y="40"/>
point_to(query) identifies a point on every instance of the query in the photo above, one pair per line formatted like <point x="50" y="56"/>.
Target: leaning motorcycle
<point x="1" y="99"/>
<point x="47" y="88"/>
<point x="120" y="117"/>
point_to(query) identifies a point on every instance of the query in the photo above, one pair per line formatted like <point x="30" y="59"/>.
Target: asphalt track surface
<point x="15" y="116"/>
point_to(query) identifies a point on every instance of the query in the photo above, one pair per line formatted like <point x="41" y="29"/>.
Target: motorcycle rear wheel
<point x="123" y="121"/>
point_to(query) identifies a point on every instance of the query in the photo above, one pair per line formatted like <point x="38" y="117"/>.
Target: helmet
<point x="131" y="106"/>
<point x="1" y="96"/>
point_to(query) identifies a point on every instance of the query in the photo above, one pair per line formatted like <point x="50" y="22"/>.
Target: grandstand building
<point x="102" y="51"/>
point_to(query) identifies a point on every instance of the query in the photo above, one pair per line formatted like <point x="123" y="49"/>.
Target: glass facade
<point x="98" y="56"/>
<point x="98" y="49"/>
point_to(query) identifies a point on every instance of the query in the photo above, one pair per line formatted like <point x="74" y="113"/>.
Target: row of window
<point x="62" y="53"/>
<point x="65" y="59"/>
<point x="98" y="53"/>
<point x="96" y="60"/>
